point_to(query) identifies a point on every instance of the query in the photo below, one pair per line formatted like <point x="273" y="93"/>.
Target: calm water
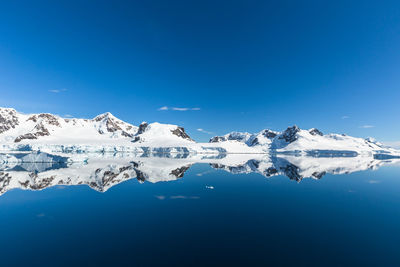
<point x="215" y="214"/>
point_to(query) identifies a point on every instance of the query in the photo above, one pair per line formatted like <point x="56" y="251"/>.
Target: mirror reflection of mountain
<point x="36" y="171"/>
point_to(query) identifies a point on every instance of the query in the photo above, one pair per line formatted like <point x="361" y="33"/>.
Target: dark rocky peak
<point x="269" y="134"/>
<point x="104" y="116"/>
<point x="45" y="118"/>
<point x="290" y="134"/>
<point x="233" y="136"/>
<point x="8" y="119"/>
<point x="180" y="132"/>
<point x="238" y="136"/>
<point x="142" y="127"/>
<point x="315" y="131"/>
<point x="112" y="124"/>
<point x="217" y="139"/>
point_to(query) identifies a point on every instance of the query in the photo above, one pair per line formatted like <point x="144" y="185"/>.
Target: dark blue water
<point x="245" y="220"/>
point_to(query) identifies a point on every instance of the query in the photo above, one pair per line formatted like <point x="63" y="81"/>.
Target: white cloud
<point x="345" y="117"/>
<point x="374" y="181"/>
<point x="367" y="126"/>
<point x="56" y="91"/>
<point x="180" y="109"/>
<point x="204" y="131"/>
<point x="68" y="116"/>
<point x="164" y="108"/>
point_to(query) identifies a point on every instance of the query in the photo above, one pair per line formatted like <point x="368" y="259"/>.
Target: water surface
<point x="169" y="211"/>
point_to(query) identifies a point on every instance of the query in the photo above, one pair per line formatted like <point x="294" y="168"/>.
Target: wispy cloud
<point x="374" y="182"/>
<point x="204" y="131"/>
<point x="165" y="108"/>
<point x="56" y="91"/>
<point x="345" y="117"/>
<point x="367" y="126"/>
<point x="68" y="116"/>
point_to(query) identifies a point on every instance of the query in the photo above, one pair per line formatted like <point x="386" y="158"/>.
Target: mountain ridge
<point x="107" y="133"/>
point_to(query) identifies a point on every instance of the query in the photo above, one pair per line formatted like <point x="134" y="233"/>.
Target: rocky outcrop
<point x="142" y="128"/>
<point x="180" y="132"/>
<point x="290" y="134"/>
<point x="233" y="136"/>
<point x="315" y="131"/>
<point x="8" y="119"/>
<point x="112" y="125"/>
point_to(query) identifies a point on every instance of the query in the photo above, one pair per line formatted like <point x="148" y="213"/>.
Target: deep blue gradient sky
<point x="247" y="65"/>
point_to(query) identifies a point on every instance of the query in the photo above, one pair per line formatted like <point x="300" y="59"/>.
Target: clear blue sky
<point x="247" y="65"/>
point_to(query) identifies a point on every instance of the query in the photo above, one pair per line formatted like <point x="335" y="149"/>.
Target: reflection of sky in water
<point x="348" y="219"/>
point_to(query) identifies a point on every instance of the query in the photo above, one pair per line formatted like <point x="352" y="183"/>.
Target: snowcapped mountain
<point x="295" y="139"/>
<point x="161" y="134"/>
<point x="106" y="133"/>
<point x="51" y="129"/>
<point x="264" y="137"/>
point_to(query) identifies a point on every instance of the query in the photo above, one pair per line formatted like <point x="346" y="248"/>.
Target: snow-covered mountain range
<point x="296" y="139"/>
<point x="106" y="133"/>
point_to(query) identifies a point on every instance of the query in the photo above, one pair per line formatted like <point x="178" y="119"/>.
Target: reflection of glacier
<point x="37" y="171"/>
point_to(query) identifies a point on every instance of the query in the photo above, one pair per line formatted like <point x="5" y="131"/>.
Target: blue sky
<point x="226" y="65"/>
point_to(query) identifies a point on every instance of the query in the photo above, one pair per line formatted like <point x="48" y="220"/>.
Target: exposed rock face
<point x="315" y="131"/>
<point x="269" y="134"/>
<point x="160" y="132"/>
<point x="254" y="142"/>
<point x="142" y="127"/>
<point x="39" y="129"/>
<point x="8" y="119"/>
<point x="112" y="124"/>
<point x="289" y="135"/>
<point x="25" y="136"/>
<point x="233" y="136"/>
<point x="180" y="132"/>
<point x="217" y="139"/>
